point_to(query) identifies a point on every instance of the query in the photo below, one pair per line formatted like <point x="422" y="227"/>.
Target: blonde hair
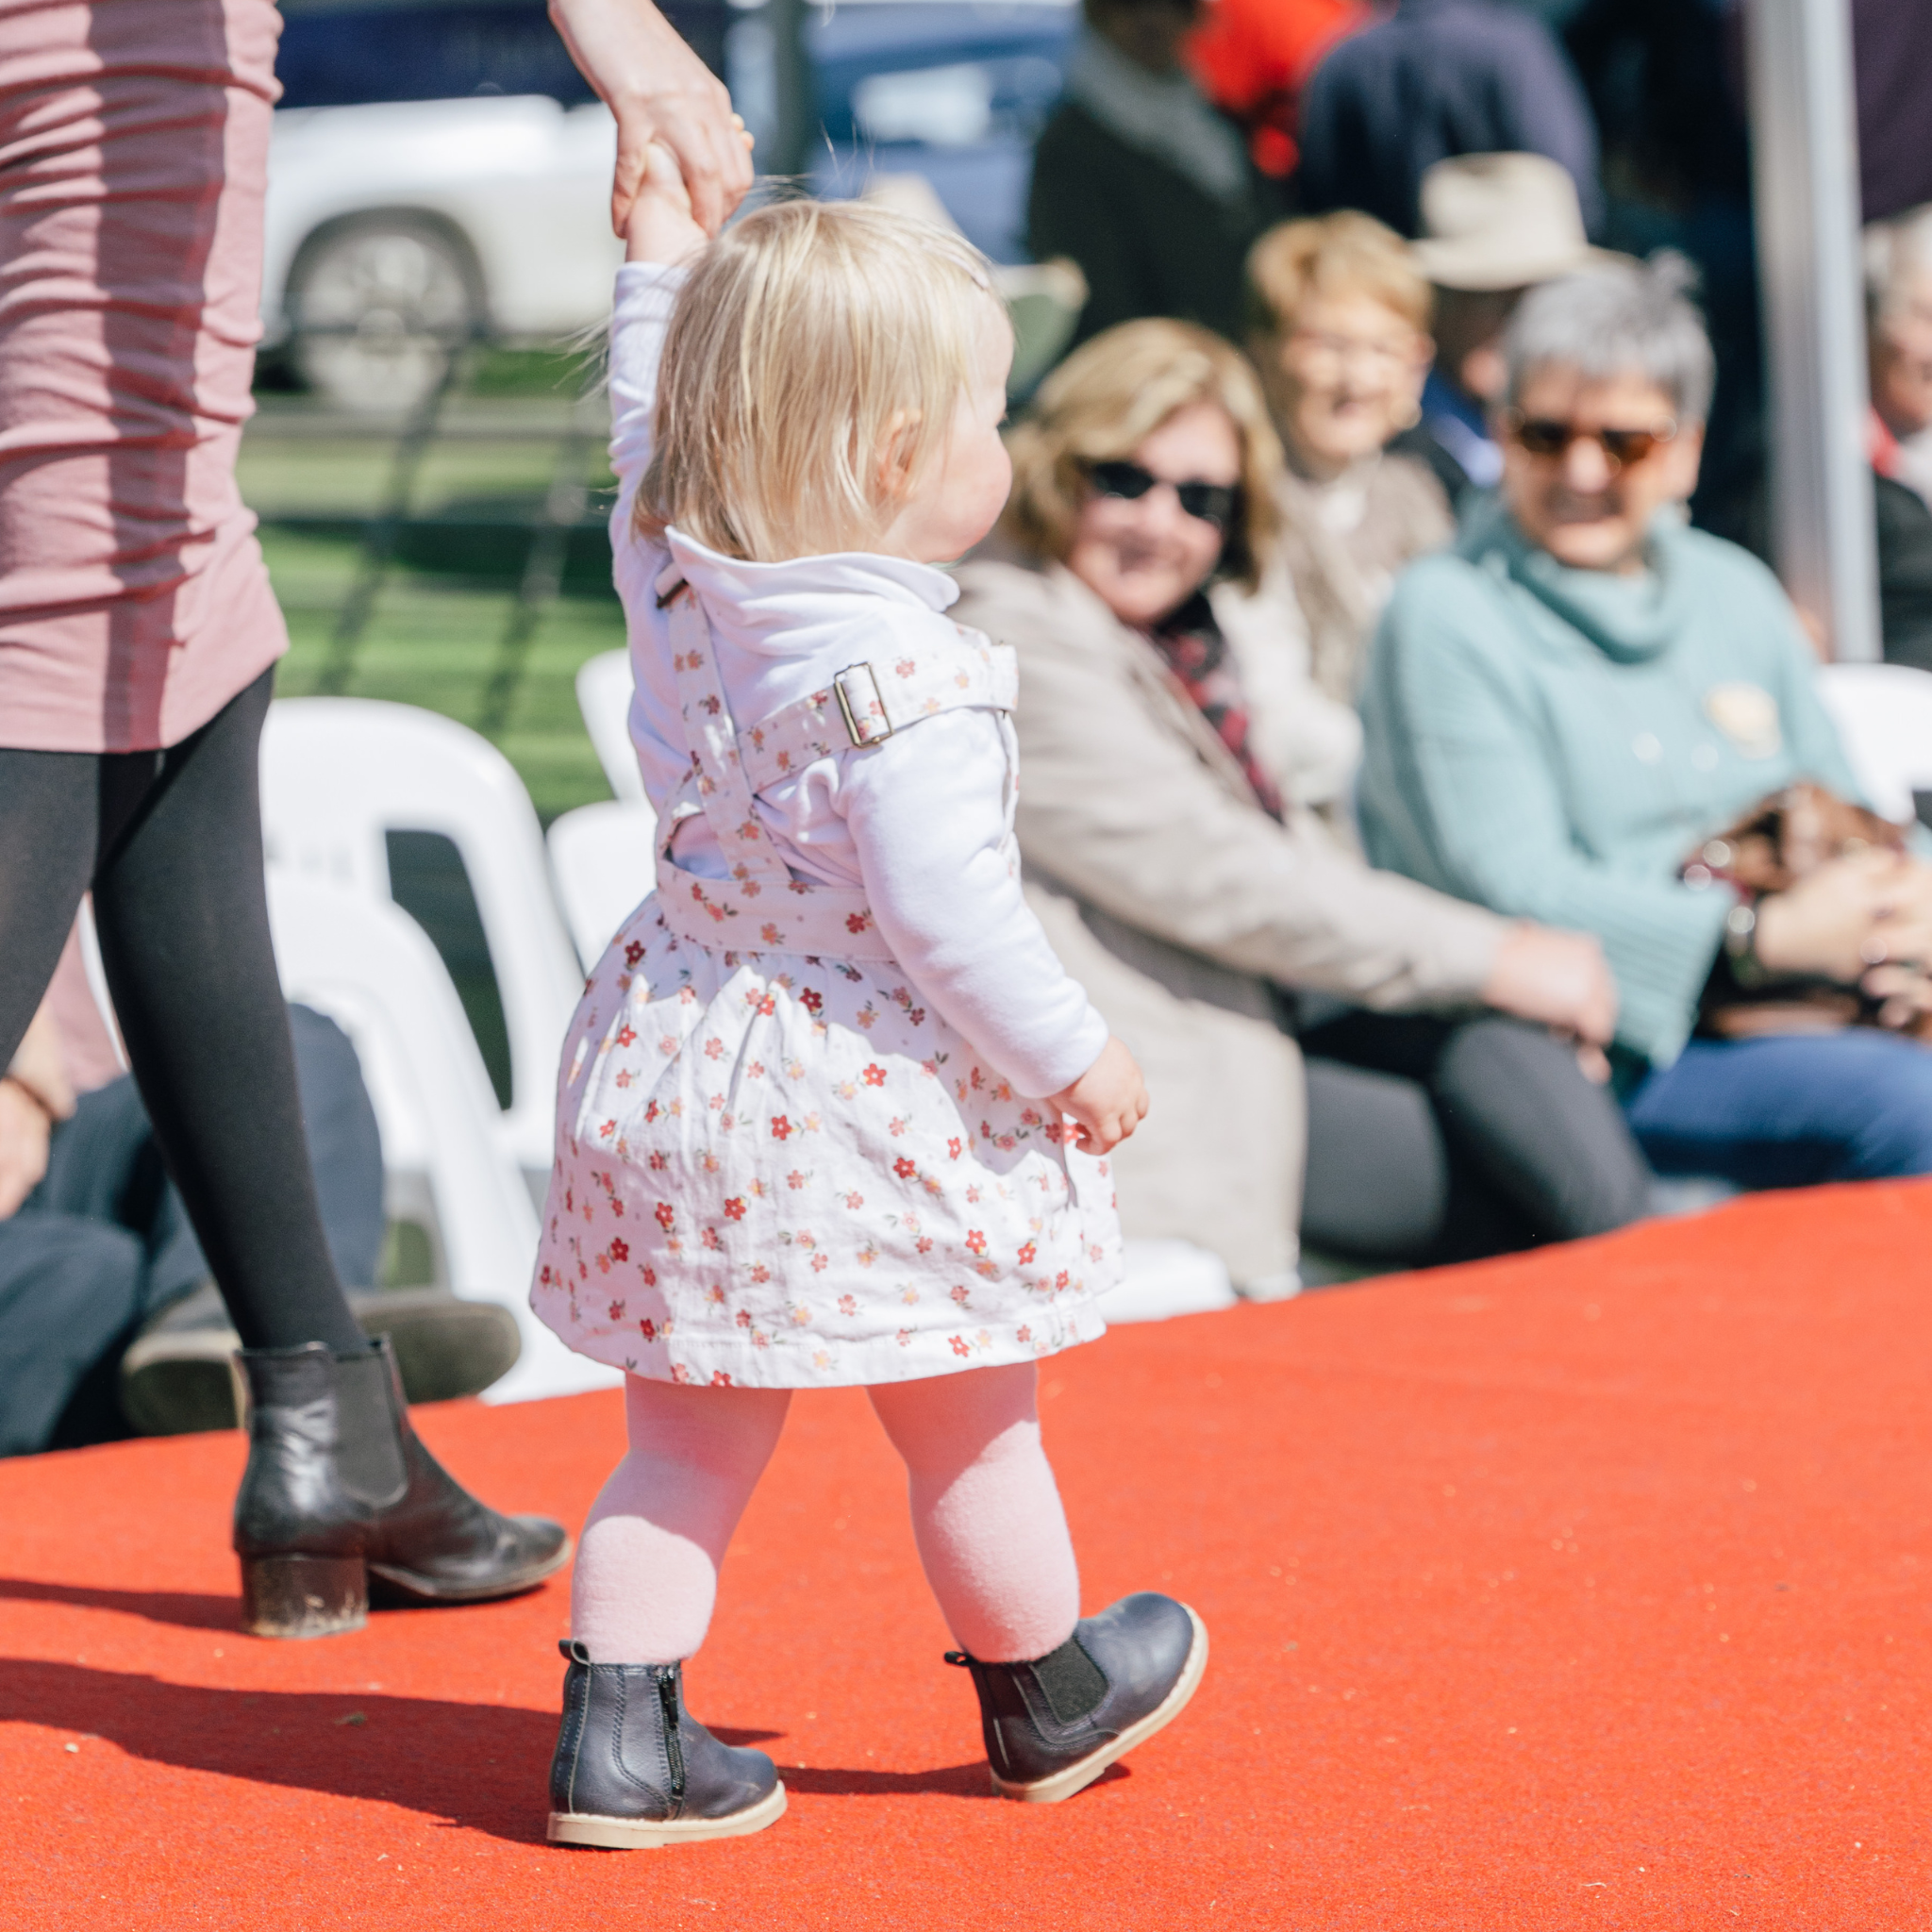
<point x="1344" y="253"/>
<point x="814" y="344"/>
<point x="1106" y="399"/>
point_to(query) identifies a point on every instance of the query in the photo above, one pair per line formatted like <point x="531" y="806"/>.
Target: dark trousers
<point x="1434" y="1140"/>
<point x="104" y="1243"/>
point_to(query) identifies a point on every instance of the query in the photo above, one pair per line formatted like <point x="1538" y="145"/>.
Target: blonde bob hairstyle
<point x="1105" y="400"/>
<point x="1339" y="254"/>
<point x="813" y="365"/>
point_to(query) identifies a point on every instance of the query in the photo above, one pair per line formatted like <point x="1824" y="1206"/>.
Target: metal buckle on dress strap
<point x="860" y="712"/>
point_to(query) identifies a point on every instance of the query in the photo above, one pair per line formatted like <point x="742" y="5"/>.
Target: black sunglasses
<point x="1546" y="437"/>
<point x="1209" y="502"/>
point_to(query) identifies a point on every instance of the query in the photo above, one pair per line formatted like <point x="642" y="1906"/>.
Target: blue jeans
<point x="104" y="1241"/>
<point x="1789" y="1110"/>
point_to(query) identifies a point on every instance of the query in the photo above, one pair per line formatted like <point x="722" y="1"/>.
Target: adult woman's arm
<point x="658" y="89"/>
<point x="1119" y="806"/>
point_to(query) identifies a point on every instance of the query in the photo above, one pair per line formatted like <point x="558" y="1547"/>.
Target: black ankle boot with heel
<point x="634" y="1769"/>
<point x="1052" y="1725"/>
<point x="341" y="1504"/>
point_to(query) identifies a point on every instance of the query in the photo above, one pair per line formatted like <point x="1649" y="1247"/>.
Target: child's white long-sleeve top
<point x="918" y="821"/>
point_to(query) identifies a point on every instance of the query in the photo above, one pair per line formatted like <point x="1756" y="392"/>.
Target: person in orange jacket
<point x="1252" y="58"/>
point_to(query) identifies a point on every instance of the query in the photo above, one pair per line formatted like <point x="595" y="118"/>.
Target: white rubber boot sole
<point x="643" y="1834"/>
<point x="1077" y="1777"/>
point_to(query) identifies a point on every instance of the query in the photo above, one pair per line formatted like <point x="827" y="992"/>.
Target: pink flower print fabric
<point x="782" y="1171"/>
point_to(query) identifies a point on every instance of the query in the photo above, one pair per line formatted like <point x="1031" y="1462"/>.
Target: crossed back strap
<point x="761" y="907"/>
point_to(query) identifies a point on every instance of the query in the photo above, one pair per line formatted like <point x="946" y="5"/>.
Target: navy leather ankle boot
<point x="1054" y="1724"/>
<point x="633" y="1768"/>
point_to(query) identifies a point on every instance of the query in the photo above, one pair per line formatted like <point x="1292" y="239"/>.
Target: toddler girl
<point x="831" y="1112"/>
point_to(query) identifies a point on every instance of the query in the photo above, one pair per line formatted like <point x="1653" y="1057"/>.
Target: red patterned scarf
<point x="1197" y="654"/>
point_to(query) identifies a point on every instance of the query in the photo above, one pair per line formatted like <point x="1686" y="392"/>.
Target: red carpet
<point x="1583" y="1591"/>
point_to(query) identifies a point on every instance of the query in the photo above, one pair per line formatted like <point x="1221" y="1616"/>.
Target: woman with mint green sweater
<point x="1559" y="710"/>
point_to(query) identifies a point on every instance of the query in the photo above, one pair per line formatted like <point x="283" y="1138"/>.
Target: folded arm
<point x="1119" y="806"/>
<point x="1478" y="806"/>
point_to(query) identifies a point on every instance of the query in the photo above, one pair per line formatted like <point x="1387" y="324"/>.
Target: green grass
<point x="436" y="631"/>
<point x="433" y="642"/>
<point x="536" y="371"/>
<point x="311" y="475"/>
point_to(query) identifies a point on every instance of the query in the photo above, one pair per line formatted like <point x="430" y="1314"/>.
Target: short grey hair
<point x="1623" y="319"/>
<point x="1895" y="253"/>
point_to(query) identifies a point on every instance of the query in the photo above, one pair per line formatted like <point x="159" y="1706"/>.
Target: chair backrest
<point x="602" y="859"/>
<point x="1884" y="717"/>
<point x="1160" y="1279"/>
<point x="97" y="977"/>
<point x="371" y="969"/>
<point x="340" y="774"/>
<point x="604" y="695"/>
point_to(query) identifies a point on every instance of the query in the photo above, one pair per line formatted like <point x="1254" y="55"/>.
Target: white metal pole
<point x="1804" y="166"/>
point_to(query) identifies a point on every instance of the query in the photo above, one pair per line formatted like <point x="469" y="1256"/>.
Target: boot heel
<point x="304" y="1596"/>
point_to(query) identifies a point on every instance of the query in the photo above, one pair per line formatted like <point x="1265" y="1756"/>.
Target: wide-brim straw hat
<point x="1493" y="221"/>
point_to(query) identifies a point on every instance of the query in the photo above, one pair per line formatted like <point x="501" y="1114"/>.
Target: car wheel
<point x="378" y="303"/>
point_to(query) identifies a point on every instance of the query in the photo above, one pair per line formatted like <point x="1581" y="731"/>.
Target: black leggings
<point x="171" y="844"/>
<point x="1433" y="1140"/>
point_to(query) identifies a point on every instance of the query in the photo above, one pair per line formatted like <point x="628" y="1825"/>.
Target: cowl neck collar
<point x="1631" y="619"/>
<point x="766" y="606"/>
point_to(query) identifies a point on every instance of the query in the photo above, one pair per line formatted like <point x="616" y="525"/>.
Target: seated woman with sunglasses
<point x="1560" y="713"/>
<point x="1189" y="892"/>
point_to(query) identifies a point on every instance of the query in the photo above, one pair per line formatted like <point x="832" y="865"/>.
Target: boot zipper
<point x="996" y="1731"/>
<point x="674" y="1743"/>
<point x="993" y="1729"/>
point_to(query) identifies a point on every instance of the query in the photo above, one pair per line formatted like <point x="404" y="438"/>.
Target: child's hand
<point x="660" y="227"/>
<point x="1107" y="1102"/>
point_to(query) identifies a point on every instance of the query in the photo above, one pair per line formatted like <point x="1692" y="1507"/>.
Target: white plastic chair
<point x="1168" y="1278"/>
<point x="337" y="773"/>
<point x="97" y="978"/>
<point x="370" y="968"/>
<point x="1884" y="717"/>
<point x="602" y="860"/>
<point x="604" y="695"/>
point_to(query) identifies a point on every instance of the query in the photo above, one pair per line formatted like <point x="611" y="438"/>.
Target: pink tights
<point x="985" y="1513"/>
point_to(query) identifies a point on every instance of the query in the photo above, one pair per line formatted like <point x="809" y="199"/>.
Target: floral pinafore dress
<point x="776" y="1166"/>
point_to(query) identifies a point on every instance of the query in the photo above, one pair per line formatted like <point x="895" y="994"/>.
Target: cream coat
<point x="1180" y="906"/>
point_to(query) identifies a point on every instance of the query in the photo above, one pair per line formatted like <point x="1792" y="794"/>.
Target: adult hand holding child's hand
<point x="659" y="90"/>
<point x="660" y="226"/>
<point x="1107" y="1102"/>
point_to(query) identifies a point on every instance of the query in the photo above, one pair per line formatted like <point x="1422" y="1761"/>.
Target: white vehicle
<point x="397" y="230"/>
